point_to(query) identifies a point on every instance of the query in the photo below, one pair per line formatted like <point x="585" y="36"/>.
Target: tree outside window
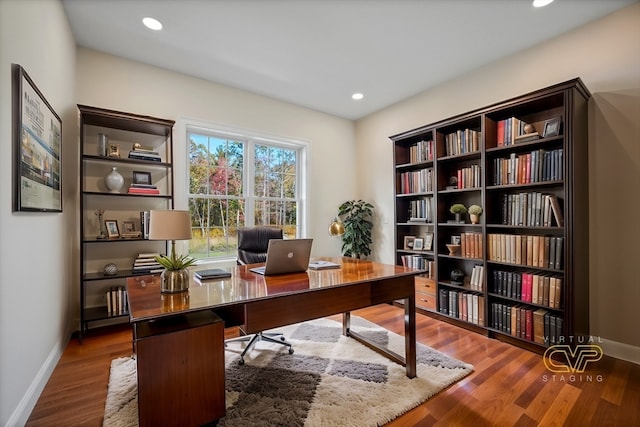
<point x="227" y="192"/>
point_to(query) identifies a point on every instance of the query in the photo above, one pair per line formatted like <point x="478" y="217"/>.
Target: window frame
<point x="250" y="139"/>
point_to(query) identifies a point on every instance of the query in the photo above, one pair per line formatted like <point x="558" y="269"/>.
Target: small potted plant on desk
<point x="474" y="214"/>
<point x="458" y="209"/>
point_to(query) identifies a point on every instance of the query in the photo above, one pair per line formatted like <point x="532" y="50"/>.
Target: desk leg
<point x="410" y="335"/>
<point x="346" y="323"/>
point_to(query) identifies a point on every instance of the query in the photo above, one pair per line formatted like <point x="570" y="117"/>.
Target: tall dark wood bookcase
<point x="525" y="264"/>
<point x="121" y="131"/>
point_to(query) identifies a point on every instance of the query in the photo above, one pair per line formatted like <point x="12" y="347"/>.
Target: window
<point x="241" y="180"/>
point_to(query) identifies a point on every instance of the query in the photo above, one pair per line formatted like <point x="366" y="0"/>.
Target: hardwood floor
<point x="509" y="387"/>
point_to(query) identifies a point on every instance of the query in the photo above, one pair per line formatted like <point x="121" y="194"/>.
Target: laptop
<point x="286" y="256"/>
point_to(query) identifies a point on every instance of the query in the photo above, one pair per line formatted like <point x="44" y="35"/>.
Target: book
<point x="555" y="208"/>
<point x="538" y="325"/>
<point x="143" y="185"/>
<point x="527" y="137"/>
<point x="212" y="273"/>
<point x="323" y="265"/>
<point x="138" y="190"/>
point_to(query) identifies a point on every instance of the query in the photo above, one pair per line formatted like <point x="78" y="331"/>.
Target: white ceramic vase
<point x="114" y="181"/>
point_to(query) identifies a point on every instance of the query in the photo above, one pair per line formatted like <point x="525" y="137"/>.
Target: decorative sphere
<point x="110" y="269"/>
<point x="529" y="128"/>
<point x="457" y="275"/>
<point x="137" y="145"/>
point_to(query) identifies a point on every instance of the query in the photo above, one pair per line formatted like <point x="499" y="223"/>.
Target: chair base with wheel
<point x="260" y="336"/>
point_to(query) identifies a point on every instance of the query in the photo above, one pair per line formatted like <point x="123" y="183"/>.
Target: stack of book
<point x="144" y="153"/>
<point x="147" y="264"/>
<point x="143" y="189"/>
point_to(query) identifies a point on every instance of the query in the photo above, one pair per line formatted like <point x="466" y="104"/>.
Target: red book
<point x="529" y="324"/>
<point x="500" y="133"/>
<point x="136" y="190"/>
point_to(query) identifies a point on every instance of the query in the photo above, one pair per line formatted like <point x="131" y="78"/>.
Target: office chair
<point x="252" y="248"/>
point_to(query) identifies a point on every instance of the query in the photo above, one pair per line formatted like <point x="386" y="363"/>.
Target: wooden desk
<point x="261" y="303"/>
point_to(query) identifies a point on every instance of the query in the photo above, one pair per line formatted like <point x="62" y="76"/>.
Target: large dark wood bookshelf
<point x="532" y="184"/>
<point x="123" y="130"/>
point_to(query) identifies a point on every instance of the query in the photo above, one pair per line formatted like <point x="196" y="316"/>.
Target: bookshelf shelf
<point x="102" y="299"/>
<point x="492" y="157"/>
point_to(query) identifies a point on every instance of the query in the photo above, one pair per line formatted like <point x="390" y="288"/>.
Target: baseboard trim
<point x="620" y="350"/>
<point x="21" y="414"/>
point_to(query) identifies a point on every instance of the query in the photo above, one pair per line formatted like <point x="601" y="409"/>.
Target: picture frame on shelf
<point x="128" y="227"/>
<point x="114" y="150"/>
<point x="551" y="127"/>
<point x="418" y="244"/>
<point x="129" y="230"/>
<point x="408" y="242"/>
<point x="143" y="178"/>
<point x="37" y="139"/>
<point x="112" y="229"/>
<point x="428" y="241"/>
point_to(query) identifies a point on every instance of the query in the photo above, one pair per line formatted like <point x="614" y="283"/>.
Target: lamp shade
<point x="169" y="225"/>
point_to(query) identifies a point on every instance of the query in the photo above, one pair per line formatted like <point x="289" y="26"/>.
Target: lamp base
<point x="174" y="281"/>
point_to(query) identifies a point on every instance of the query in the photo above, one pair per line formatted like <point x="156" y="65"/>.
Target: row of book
<point x="541" y="289"/>
<point x="536" y="166"/>
<point x="476" y="283"/>
<point x="537" y="325"/>
<point x="419" y="181"/>
<point x="144" y="224"/>
<point x="145" y="154"/>
<point x="461" y="142"/>
<point x="471" y="244"/>
<point x="422" y="152"/>
<point x="531" y="209"/>
<point x="533" y="251"/>
<point x="512" y="131"/>
<point x="466" y="306"/>
<point x="469" y="177"/>
<point x="116" y="298"/>
<point x="419" y="262"/>
<point x="146" y="263"/>
<point x="421" y="210"/>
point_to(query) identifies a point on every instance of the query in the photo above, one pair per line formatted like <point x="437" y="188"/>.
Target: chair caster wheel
<point x="241" y="362"/>
<point x="282" y="339"/>
<point x="290" y="350"/>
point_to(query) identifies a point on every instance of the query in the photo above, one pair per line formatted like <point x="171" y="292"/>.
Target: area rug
<point x="330" y="380"/>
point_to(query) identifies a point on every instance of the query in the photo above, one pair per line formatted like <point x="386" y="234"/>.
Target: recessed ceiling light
<point x="152" y="23"/>
<point x="541" y="3"/>
<point x="357" y="96"/>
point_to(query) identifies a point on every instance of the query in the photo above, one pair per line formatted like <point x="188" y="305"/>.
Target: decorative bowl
<point x="453" y="249"/>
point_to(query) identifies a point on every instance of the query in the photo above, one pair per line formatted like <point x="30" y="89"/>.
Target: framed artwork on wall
<point x="37" y="140"/>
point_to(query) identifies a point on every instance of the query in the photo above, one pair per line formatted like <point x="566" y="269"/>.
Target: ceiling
<point x="316" y="53"/>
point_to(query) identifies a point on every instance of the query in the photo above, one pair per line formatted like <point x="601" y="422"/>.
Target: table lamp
<point x="172" y="225"/>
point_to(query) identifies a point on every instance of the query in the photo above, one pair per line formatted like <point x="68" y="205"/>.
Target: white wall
<point x="35" y="252"/>
<point x="606" y="56"/>
<point x="111" y="82"/>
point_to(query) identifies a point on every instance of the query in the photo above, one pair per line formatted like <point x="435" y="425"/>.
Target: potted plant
<point x="458" y="209"/>
<point x="175" y="277"/>
<point x="356" y="216"/>
<point x="474" y="213"/>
